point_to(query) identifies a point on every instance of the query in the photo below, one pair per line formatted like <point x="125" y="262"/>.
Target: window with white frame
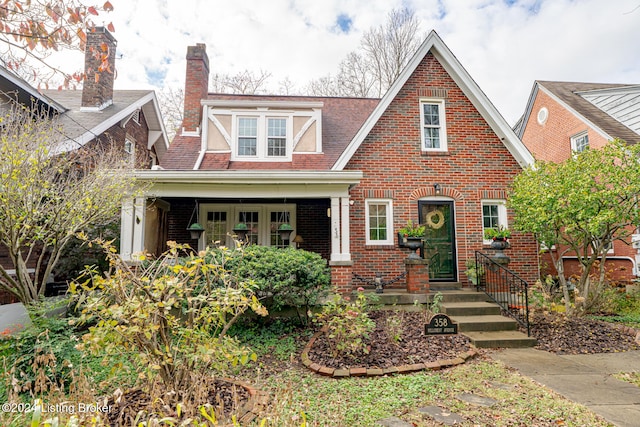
<point x="433" y="126"/>
<point x="263" y="138"/>
<point x="262" y="223"/>
<point x="247" y="136"/>
<point x="379" y="222"/>
<point x="580" y="142"/>
<point x="494" y="215"/>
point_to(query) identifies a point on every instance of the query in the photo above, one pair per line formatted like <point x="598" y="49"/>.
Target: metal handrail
<point x="504" y="287"/>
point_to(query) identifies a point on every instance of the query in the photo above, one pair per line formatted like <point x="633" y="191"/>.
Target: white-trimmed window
<point x="247" y="136"/>
<point x="580" y="142"/>
<point x="262" y="223"/>
<point x="433" y="126"/>
<point x="263" y="137"/>
<point x="494" y="215"/>
<point x="379" y="221"/>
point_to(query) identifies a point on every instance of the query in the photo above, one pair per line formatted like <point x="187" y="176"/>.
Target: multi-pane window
<point x="277" y="219"/>
<point x="263" y="138"/>
<point x="580" y="142"/>
<point x="494" y="214"/>
<point x="433" y="128"/>
<point x="379" y="222"/>
<point x="277" y="137"/>
<point x="251" y="218"/>
<point x="247" y="136"/>
<point x="216" y="228"/>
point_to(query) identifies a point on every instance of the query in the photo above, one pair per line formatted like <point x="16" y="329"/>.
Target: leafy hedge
<point x="289" y="277"/>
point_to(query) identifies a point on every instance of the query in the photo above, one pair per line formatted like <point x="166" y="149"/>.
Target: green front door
<point x="440" y="242"/>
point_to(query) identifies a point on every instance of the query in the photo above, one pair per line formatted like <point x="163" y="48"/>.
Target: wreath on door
<point x="435" y="219"/>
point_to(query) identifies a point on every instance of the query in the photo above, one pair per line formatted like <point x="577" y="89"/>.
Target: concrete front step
<point x="485" y="323"/>
<point x="504" y="339"/>
<point x="462" y="295"/>
<point x="474" y="308"/>
<point x="444" y="286"/>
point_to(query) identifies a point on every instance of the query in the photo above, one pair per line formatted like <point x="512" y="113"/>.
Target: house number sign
<point x="441" y="324"/>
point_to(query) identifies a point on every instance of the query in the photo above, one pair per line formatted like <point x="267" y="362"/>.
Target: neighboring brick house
<point x="97" y="114"/>
<point x="563" y="117"/>
<point x="346" y="173"/>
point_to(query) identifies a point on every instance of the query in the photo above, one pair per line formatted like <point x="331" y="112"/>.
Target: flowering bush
<point x="346" y="324"/>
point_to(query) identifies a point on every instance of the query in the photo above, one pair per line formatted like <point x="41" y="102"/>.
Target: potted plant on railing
<point x="499" y="237"/>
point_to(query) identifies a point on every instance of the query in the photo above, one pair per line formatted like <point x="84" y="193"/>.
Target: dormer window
<point x="262" y="131"/>
<point x="247" y="136"/>
<point x="263" y="138"/>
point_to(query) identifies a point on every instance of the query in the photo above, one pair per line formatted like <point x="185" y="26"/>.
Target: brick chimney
<point x="99" y="69"/>
<point x="196" y="87"/>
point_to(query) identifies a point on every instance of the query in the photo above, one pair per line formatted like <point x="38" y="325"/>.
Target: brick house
<point x="97" y="114"/>
<point x="563" y="117"/>
<point x="346" y="173"/>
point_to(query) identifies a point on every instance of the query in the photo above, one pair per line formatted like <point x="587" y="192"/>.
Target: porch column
<point x="132" y="227"/>
<point x="341" y="264"/>
<point x="126" y="230"/>
<point x="336" y="253"/>
<point x="346" y="235"/>
<point x="340" y="236"/>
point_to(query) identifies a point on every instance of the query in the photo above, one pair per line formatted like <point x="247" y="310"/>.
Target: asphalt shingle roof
<point x="568" y="93"/>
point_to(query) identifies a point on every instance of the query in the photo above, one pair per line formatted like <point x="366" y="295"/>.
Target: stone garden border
<point x="376" y="372"/>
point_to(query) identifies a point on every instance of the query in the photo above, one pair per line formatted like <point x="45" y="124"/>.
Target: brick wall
<point x="551" y="141"/>
<point x="476" y="166"/>
<point x="314" y="225"/>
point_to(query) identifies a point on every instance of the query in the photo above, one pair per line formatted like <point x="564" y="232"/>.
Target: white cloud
<point x="504" y="45"/>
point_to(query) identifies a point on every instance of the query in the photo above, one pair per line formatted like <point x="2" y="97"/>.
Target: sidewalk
<point x="585" y="379"/>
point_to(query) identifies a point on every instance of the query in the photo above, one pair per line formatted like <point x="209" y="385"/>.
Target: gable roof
<point x="341" y="119"/>
<point x="434" y="44"/>
<point x="16" y="87"/>
<point x="82" y="126"/>
<point x="595" y="104"/>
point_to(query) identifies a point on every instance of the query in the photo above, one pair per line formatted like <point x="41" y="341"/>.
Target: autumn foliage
<point x="31" y="30"/>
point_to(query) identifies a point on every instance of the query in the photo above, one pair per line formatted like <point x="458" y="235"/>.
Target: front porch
<point x="315" y="205"/>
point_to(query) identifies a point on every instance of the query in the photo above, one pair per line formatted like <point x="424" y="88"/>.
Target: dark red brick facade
<point x="476" y="166"/>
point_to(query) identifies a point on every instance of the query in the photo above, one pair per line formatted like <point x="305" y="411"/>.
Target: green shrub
<point x="283" y="277"/>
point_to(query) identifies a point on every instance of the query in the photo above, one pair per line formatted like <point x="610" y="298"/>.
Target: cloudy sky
<point x="504" y="44"/>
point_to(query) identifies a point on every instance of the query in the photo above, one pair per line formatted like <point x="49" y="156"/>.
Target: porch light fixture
<point x="438" y="188"/>
<point x="196" y="229"/>
<point x="297" y="240"/>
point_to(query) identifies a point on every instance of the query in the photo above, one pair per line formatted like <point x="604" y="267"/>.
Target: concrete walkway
<point x="585" y="379"/>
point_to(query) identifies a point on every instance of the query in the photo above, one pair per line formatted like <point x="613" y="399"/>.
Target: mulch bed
<point x="226" y="396"/>
<point x="384" y="352"/>
<point x="559" y="334"/>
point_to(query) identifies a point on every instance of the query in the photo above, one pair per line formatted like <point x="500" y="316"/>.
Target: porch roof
<point x="249" y="183"/>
